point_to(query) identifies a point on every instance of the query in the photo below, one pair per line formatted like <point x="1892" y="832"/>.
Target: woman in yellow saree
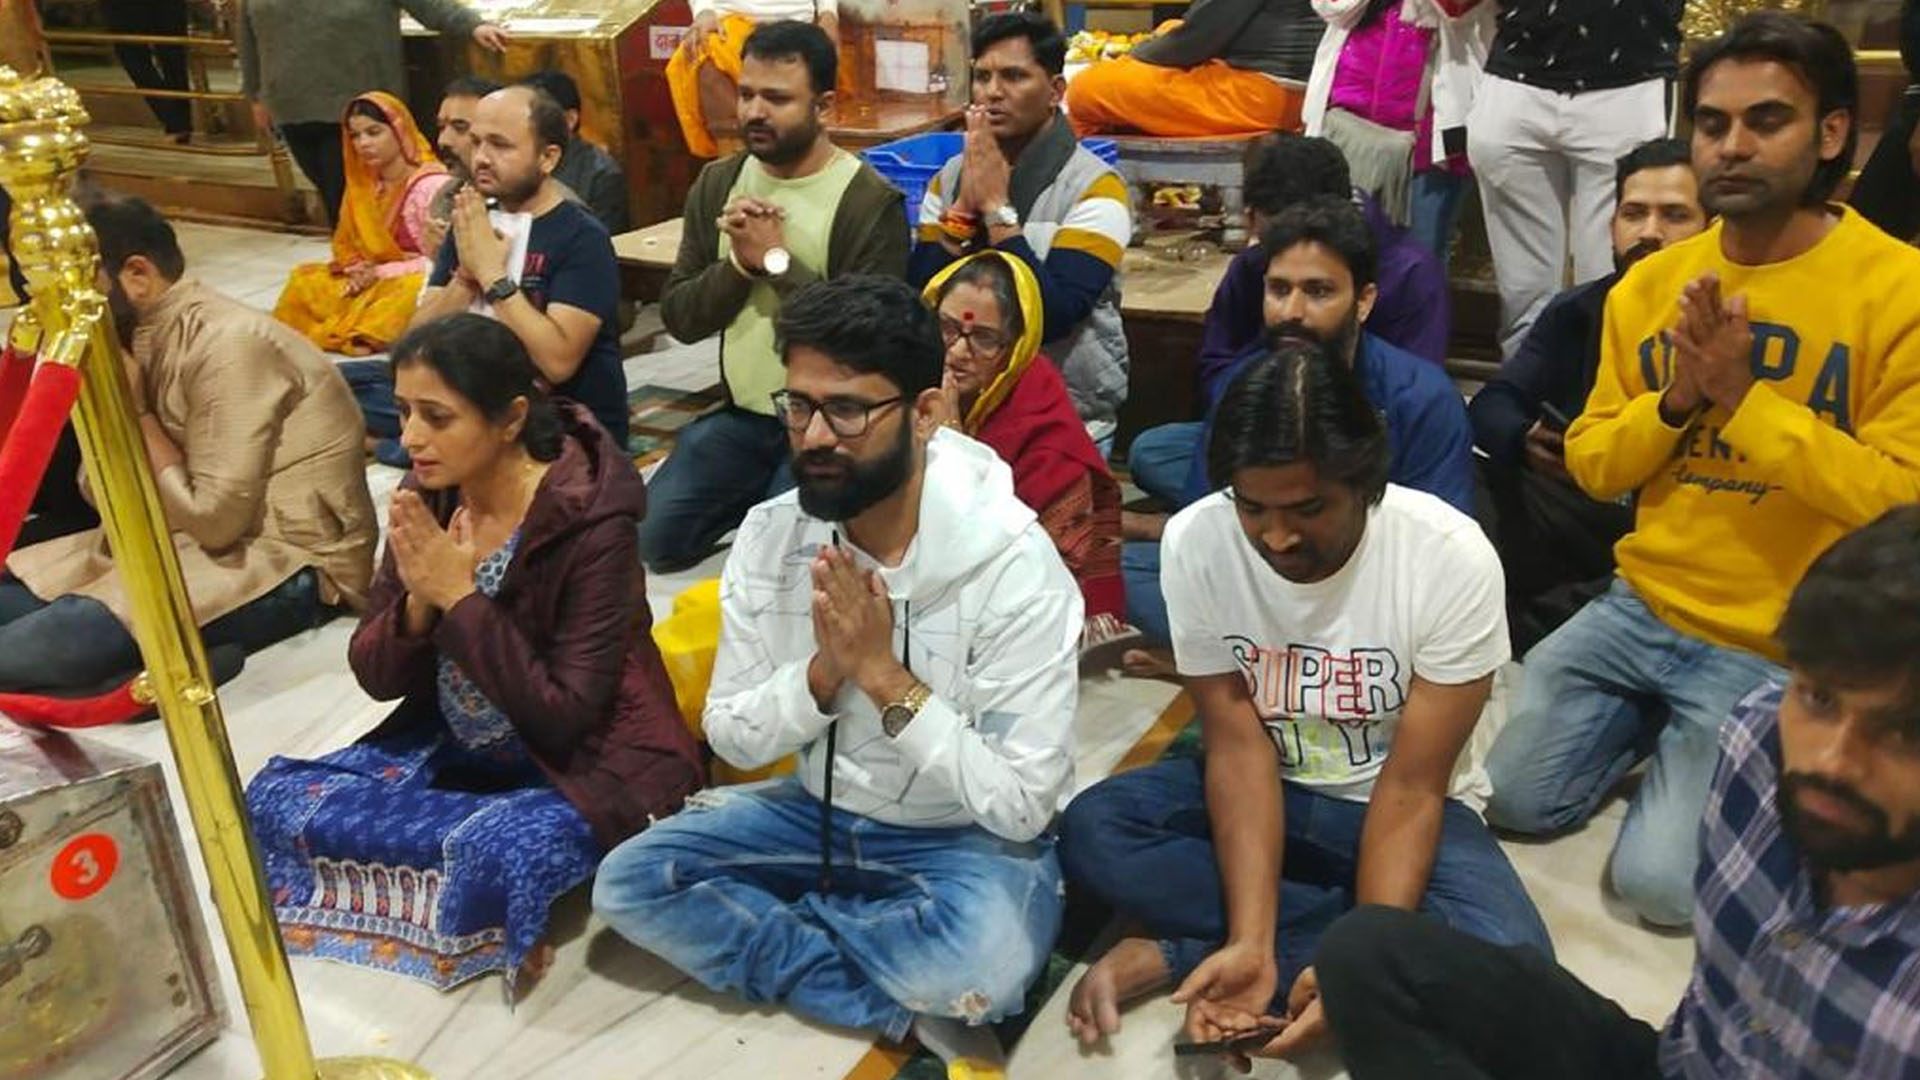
<point x="360" y="302"/>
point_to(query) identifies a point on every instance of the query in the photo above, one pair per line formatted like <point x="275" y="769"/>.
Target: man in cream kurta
<point x="255" y="442"/>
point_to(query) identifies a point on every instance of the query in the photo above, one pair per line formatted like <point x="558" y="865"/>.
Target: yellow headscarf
<point x="1026" y="288"/>
<point x="368" y="222"/>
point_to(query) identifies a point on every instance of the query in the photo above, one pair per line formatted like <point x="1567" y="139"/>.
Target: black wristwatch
<point x="500" y="290"/>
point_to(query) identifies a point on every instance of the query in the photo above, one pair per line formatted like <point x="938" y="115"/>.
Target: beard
<point x="1827" y="847"/>
<point x="779" y="148"/>
<point x="1339" y="346"/>
<point x="125" y="318"/>
<point x="512" y="189"/>
<point x="1640" y="250"/>
<point x="854" y="486"/>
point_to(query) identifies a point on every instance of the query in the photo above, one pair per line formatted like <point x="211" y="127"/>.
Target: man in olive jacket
<point x="788" y="211"/>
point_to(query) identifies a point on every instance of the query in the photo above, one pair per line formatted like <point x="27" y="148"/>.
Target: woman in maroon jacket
<point x="538" y="727"/>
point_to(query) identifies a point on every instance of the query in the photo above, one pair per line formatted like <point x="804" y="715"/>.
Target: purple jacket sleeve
<point x="1234" y="321"/>
<point x="1415" y="309"/>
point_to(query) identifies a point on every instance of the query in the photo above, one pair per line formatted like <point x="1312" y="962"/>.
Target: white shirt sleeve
<point x="1463" y="610"/>
<point x="1190" y="546"/>
<point x="757" y="711"/>
<point x="1009" y="758"/>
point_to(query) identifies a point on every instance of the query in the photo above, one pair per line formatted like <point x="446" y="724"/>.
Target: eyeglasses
<point x="982" y="341"/>
<point x="848" y="418"/>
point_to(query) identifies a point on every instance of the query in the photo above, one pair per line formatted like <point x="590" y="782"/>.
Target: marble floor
<point x="606" y="1010"/>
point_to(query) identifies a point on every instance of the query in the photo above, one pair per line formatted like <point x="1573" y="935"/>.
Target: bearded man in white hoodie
<point x="903" y="623"/>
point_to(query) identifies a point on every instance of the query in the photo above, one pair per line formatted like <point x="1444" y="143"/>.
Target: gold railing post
<point x="41" y="148"/>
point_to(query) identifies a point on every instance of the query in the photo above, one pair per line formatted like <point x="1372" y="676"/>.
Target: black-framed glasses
<point x="848" y="418"/>
<point x="982" y="341"/>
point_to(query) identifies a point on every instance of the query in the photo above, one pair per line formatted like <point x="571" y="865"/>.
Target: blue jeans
<point x="945" y="922"/>
<point x="1159" y="459"/>
<point x="1141" y="841"/>
<point x="1435" y="209"/>
<point x="1146" y="604"/>
<point x="1611" y="686"/>
<point x="372" y="384"/>
<point x="722" y="465"/>
<point x="75" y="644"/>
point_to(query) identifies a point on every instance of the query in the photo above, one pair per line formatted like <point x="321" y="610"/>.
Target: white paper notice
<point x="901" y="65"/>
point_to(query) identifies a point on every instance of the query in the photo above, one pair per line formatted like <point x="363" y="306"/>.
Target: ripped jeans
<point x="952" y="922"/>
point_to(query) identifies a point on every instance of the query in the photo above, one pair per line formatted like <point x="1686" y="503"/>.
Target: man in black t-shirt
<point x="561" y="298"/>
<point x="1571" y="87"/>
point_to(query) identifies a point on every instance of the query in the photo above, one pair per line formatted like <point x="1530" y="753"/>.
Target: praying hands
<point x="436" y="565"/>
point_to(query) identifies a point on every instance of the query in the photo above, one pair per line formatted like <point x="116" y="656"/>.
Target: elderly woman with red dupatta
<point x="360" y="301"/>
<point x="1001" y="391"/>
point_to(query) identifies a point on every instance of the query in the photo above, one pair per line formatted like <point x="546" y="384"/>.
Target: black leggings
<point x="315" y="147"/>
<point x="154" y="67"/>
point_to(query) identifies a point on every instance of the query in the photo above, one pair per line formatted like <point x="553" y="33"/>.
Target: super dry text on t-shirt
<point x="1321" y="708"/>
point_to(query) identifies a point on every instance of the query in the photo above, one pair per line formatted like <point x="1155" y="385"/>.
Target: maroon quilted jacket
<point x="565" y="648"/>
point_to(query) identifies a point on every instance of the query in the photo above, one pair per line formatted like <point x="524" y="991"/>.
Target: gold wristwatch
<point x="900" y="712"/>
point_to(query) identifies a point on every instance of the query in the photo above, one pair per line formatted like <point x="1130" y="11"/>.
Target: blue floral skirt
<point x="416" y="856"/>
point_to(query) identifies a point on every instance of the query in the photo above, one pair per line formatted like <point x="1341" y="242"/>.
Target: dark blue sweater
<point x="1426" y="421"/>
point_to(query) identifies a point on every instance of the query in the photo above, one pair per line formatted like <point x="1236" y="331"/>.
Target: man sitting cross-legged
<point x="1320" y="288"/>
<point x="790" y="209"/>
<point x="904" y="623"/>
<point x="1806" y="910"/>
<point x="1339" y="635"/>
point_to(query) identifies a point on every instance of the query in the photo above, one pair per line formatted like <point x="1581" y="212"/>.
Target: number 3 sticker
<point x="84" y="866"/>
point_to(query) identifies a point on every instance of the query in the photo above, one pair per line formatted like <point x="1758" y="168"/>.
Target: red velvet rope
<point x="108" y="708"/>
<point x="34" y="406"/>
<point x="30" y="444"/>
<point x="16" y="369"/>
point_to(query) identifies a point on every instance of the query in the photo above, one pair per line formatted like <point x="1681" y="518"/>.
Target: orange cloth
<point x="1128" y="96"/>
<point x="371" y="230"/>
<point x="723" y="48"/>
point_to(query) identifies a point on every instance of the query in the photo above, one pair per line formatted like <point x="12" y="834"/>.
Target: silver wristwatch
<point x="1006" y="217"/>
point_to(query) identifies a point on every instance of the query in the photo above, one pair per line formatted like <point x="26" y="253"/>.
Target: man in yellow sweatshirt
<point x="1759" y="389"/>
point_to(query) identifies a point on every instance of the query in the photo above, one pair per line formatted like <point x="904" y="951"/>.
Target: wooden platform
<point x="867" y="125"/>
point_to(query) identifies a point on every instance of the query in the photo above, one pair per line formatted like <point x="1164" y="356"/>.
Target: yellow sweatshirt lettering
<point x="1732" y="509"/>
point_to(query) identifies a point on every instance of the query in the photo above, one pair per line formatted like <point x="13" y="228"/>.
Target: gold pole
<point x="41" y="148"/>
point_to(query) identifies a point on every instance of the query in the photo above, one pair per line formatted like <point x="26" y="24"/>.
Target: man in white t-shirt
<point x="1339" y="635"/>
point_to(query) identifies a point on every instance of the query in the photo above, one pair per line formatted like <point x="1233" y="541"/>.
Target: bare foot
<point x="1135" y="525"/>
<point x="1131" y="969"/>
<point x="1149" y="664"/>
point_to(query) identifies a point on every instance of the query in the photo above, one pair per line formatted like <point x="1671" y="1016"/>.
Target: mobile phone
<point x="1238" y="1044"/>
<point x="1555" y="417"/>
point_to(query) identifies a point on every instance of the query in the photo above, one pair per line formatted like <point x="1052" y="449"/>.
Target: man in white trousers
<point x="1570" y="87"/>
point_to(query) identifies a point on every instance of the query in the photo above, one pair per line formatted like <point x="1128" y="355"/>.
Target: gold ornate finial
<point x="42" y="148"/>
<point x="1707" y="19"/>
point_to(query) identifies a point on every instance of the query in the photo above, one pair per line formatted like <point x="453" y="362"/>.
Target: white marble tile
<point x="607" y="1009"/>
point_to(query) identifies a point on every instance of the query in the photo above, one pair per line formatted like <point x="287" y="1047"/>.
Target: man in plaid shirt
<point x="1807" y="909"/>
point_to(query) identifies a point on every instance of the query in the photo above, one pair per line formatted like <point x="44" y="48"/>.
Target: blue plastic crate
<point x="910" y="164"/>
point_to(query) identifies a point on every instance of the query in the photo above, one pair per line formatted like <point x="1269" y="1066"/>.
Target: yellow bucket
<point x="687" y="640"/>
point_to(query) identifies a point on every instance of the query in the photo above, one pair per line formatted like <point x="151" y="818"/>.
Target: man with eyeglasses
<point x="903" y="623"/>
<point x="790" y="209"/>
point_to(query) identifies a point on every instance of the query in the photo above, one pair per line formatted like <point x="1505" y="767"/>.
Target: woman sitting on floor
<point x="361" y="301"/>
<point x="539" y="727"/>
<point x="1002" y="392"/>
